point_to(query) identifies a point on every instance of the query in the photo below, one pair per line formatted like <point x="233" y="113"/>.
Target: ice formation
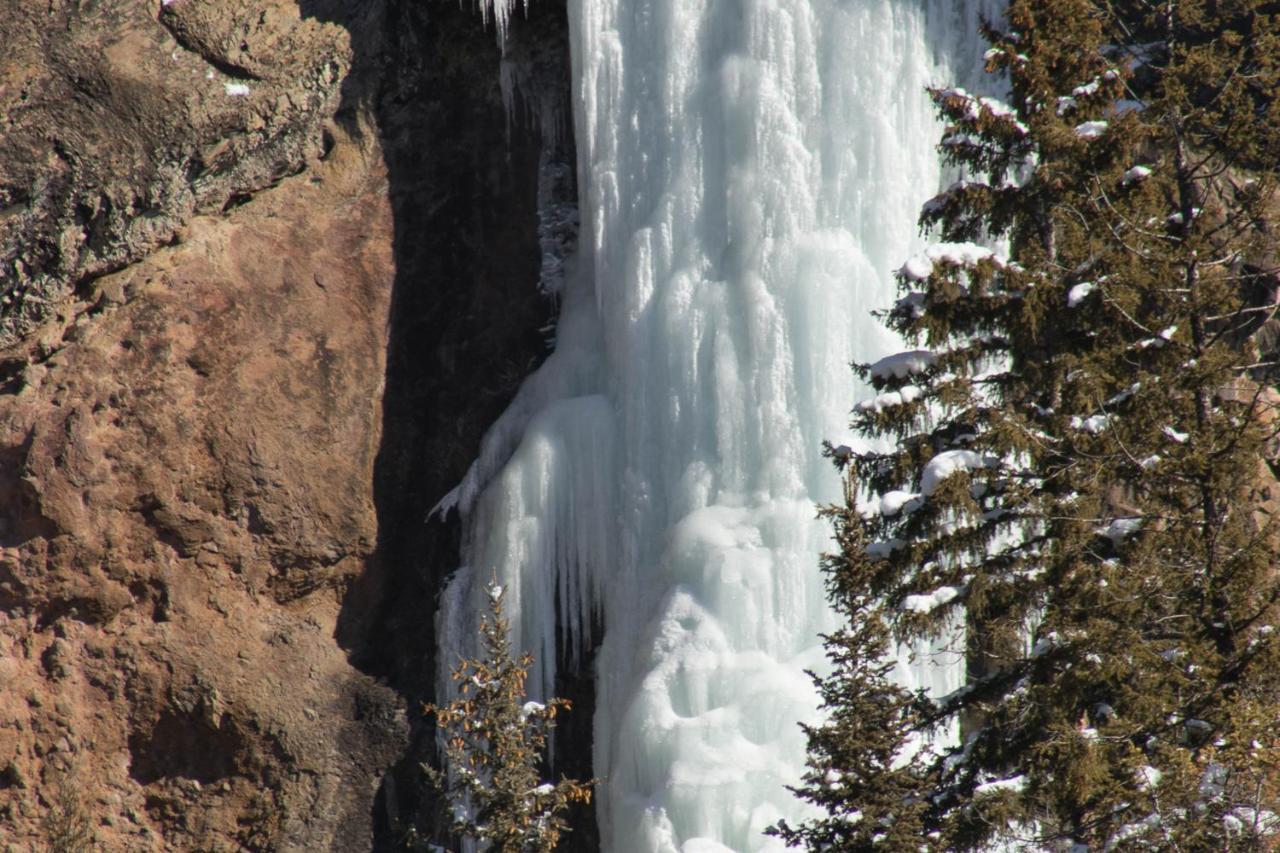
<point x="750" y="175"/>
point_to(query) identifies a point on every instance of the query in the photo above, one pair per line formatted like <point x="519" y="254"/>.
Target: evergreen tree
<point x="1075" y="493"/>
<point x="494" y="742"/>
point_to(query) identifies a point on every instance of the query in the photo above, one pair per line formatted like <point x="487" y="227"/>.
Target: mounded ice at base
<point x="750" y="176"/>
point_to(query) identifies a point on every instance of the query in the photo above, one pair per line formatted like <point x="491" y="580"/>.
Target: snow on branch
<point x="1137" y="174"/>
<point x="950" y="462"/>
<point x="889" y="400"/>
<point x="902" y="364"/>
<point x="975" y="107"/>
<point x="969" y="255"/>
<point x="1091" y="130"/>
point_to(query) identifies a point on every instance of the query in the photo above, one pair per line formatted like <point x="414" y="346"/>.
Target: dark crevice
<point x="185" y="746"/>
<point x="11" y="371"/>
<point x="465" y="329"/>
<point x="574" y="735"/>
<point x="223" y="65"/>
<point x="155" y="593"/>
<point x="238" y="199"/>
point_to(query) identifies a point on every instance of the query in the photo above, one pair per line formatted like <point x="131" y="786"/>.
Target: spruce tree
<point x="1073" y="489"/>
<point x="494" y="741"/>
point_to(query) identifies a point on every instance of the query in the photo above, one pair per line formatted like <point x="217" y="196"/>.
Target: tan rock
<point x="186" y="450"/>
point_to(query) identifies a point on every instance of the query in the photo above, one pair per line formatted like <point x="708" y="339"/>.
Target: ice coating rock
<point x="750" y="175"/>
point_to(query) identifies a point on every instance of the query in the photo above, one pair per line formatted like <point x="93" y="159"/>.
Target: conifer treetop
<point x="494" y="740"/>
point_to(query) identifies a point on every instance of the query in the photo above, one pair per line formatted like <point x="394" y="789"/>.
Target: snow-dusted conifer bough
<point x="750" y="177"/>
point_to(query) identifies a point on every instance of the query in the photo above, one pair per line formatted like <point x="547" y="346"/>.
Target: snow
<point x="890" y="399"/>
<point x="1088" y="90"/>
<point x="531" y="708"/>
<point x="903" y="364"/>
<point x="1148" y="777"/>
<point x="1126" y="105"/>
<point x="919" y="267"/>
<point x="1130" y="831"/>
<point x="1162" y="338"/>
<point x="1246" y="820"/>
<point x="892" y="503"/>
<point x="1137" y="174"/>
<point x="948" y="463"/>
<point x="1013" y="783"/>
<point x="884" y="549"/>
<point x="1120" y="529"/>
<point x="996" y="107"/>
<point x="957" y="758"/>
<point x="1174" y="435"/>
<point x="1091" y="129"/>
<point x="1094" y="424"/>
<point x="1124" y="395"/>
<point x="236" y="90"/>
<point x="1077" y="294"/>
<point x="931" y="601"/>
<point x="746" y="195"/>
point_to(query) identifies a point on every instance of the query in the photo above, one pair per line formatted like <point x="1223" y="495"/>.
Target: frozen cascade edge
<point x="749" y="179"/>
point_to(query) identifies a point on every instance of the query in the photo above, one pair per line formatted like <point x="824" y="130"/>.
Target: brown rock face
<point x="189" y="447"/>
<point x="249" y="339"/>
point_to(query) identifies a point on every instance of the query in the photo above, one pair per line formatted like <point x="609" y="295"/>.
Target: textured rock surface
<point x="121" y="119"/>
<point x="188" y="447"/>
<point x="249" y="339"/>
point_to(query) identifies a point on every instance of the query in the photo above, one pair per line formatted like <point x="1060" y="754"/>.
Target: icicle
<point x="499" y="12"/>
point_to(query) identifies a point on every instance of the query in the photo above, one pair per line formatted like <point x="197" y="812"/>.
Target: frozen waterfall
<point x="750" y="173"/>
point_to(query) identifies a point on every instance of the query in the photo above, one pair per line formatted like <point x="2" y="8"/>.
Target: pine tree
<point x="1075" y="493"/>
<point x="494" y="742"/>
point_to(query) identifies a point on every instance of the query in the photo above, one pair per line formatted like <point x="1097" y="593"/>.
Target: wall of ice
<point x="750" y="174"/>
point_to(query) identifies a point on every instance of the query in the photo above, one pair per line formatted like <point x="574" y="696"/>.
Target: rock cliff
<point x="268" y="269"/>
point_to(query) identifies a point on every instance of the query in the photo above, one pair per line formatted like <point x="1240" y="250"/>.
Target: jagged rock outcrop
<point x="121" y="120"/>
<point x="267" y="271"/>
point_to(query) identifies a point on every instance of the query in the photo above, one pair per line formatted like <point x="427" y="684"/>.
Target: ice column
<point x="750" y="172"/>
